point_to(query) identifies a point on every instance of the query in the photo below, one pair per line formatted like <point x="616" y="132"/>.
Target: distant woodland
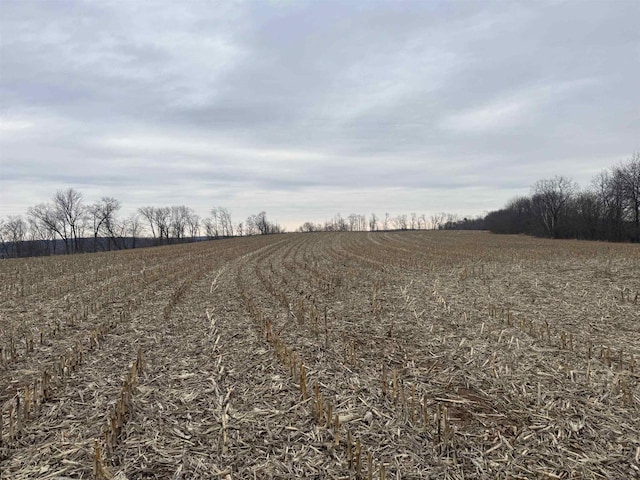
<point x="608" y="209"/>
<point x="67" y="224"/>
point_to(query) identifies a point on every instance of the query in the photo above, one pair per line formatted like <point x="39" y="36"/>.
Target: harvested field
<point x="332" y="355"/>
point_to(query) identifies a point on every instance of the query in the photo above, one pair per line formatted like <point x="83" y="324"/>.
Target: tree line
<point x="608" y="209"/>
<point x="356" y="222"/>
<point x="68" y="224"/>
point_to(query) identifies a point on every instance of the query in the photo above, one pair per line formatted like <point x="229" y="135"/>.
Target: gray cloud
<point x="309" y="108"/>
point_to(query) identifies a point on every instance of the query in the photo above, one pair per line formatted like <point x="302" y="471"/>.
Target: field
<point x="334" y="355"/>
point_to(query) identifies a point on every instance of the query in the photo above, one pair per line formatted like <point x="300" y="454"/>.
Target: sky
<point x="304" y="109"/>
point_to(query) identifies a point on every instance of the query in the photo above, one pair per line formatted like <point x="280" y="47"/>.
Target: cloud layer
<point x="304" y="109"/>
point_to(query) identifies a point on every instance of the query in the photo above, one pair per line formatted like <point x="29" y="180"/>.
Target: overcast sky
<point x="306" y="109"/>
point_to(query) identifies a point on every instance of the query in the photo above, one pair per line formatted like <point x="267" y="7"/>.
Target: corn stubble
<point x="399" y="355"/>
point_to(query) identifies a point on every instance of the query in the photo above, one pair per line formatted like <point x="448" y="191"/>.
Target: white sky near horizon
<point x="305" y="109"/>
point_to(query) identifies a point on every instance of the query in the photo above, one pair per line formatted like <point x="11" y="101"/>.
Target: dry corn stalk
<point x="100" y="472"/>
<point x="303" y="380"/>
<point x="384" y="380"/>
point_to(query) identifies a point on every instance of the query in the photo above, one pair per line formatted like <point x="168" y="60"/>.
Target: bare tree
<point x="193" y="224"/>
<point x="357" y="222"/>
<point x="178" y="220"/>
<point x="70" y="211"/>
<point x="275" y="228"/>
<point x="586" y="213"/>
<point x="629" y="176"/>
<point x="550" y="199"/>
<point x="4" y="241"/>
<point x="63" y="217"/>
<point x="13" y="232"/>
<point x="373" y="222"/>
<point x="386" y="222"/>
<point x="40" y="232"/>
<point x="161" y="218"/>
<point x="212" y="224"/>
<point x="102" y="218"/>
<point x="437" y="221"/>
<point x="211" y="228"/>
<point x="226" y="224"/>
<point x="414" y="221"/>
<point x="167" y="222"/>
<point x="352" y="220"/>
<point x="117" y="232"/>
<point x="400" y="222"/>
<point x="250" y="226"/>
<point x="133" y="228"/>
<point x="450" y="221"/>
<point x="610" y="192"/>
<point x="422" y="222"/>
<point x="339" y="224"/>
<point x="220" y="223"/>
<point x="45" y="218"/>
<point x="261" y="223"/>
<point x="308" y="227"/>
<point x="149" y="214"/>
